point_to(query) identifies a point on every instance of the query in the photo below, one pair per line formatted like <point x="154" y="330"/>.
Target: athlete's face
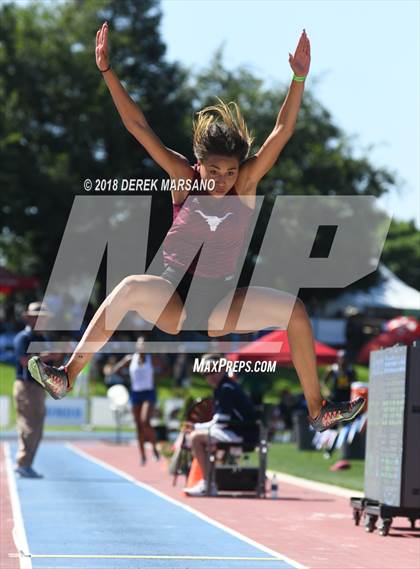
<point x="223" y="170"/>
<point x="140" y="344"/>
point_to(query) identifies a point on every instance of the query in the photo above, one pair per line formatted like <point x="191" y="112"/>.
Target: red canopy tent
<point x="400" y="330"/>
<point x="274" y="346"/>
<point x="10" y="282"/>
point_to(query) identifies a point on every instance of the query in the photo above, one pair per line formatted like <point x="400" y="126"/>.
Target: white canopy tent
<point x="390" y="293"/>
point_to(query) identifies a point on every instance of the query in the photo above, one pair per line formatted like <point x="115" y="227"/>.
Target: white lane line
<point x="318" y="486"/>
<point x="19" y="533"/>
<point x="189" y="509"/>
<point x="154" y="557"/>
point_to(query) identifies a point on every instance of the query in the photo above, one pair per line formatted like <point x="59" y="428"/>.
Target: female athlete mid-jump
<point x="221" y="144"/>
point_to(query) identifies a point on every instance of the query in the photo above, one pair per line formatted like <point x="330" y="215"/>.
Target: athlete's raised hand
<point x="101" y="51"/>
<point x="301" y="60"/>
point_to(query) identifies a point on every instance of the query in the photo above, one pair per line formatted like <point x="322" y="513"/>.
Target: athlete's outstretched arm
<point x="174" y="164"/>
<point x="110" y="369"/>
<point x="259" y="164"/>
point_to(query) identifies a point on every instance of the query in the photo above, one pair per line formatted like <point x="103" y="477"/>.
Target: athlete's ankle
<point x="70" y="375"/>
<point x="314" y="409"/>
<point x="69" y="382"/>
<point x="74" y="366"/>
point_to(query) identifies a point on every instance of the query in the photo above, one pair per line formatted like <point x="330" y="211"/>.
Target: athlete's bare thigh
<point x="155" y="299"/>
<point x="264" y="307"/>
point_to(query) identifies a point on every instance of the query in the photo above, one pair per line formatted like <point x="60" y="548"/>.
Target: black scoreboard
<point x="392" y="466"/>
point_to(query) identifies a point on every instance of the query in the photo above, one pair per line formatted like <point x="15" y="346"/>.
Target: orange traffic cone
<point x="195" y="474"/>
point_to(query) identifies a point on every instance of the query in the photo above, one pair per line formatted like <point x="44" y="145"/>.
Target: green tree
<point x="58" y="124"/>
<point x="402" y="252"/>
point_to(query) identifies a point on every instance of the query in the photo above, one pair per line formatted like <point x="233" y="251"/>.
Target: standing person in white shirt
<point x="142" y="395"/>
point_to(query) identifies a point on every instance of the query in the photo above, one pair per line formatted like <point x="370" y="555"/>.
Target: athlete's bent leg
<point x="269" y="307"/>
<point x="143" y="293"/>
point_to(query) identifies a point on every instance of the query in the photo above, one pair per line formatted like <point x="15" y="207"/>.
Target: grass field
<point x="283" y="457"/>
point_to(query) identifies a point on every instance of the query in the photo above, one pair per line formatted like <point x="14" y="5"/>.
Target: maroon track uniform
<point x="219" y="227"/>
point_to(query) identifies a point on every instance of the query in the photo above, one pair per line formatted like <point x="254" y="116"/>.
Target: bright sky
<point x="364" y="66"/>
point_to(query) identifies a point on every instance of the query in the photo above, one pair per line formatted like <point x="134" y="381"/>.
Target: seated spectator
<point x="233" y="421"/>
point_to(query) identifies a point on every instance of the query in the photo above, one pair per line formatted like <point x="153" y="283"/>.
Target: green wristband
<point x="299" y="79"/>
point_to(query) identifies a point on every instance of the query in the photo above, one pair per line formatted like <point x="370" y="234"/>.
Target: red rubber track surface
<point x="308" y="526"/>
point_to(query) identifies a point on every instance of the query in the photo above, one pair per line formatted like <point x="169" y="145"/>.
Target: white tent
<point x="390" y="292"/>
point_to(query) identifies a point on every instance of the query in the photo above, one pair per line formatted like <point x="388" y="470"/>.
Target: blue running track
<point x="84" y="516"/>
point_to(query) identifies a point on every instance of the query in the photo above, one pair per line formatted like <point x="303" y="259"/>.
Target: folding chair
<point x="226" y="470"/>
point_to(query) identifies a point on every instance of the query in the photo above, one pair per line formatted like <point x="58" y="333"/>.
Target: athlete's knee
<point x="130" y="286"/>
<point x="299" y="310"/>
<point x="173" y="321"/>
<point x="173" y="329"/>
<point x="299" y="306"/>
<point x="212" y="333"/>
<point x="218" y="324"/>
<point x="215" y="322"/>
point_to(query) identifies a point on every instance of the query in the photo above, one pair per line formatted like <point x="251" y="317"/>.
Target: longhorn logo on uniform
<point x="213" y="220"/>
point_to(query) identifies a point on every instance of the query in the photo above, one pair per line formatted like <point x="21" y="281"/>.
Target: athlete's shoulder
<point x="180" y="195"/>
